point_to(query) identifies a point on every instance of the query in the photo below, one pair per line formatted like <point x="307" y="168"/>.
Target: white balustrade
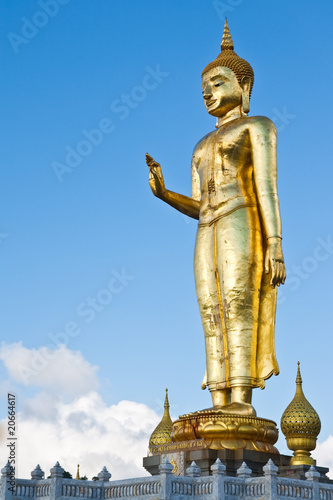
<point x="217" y="486"/>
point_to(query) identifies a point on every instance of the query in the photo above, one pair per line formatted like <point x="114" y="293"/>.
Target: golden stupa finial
<point x="299" y="380"/>
<point x="166" y="401"/>
<point x="162" y="433"/>
<point x="227" y="43"/>
<point x="78" y="472"/>
<point x="301" y="425"/>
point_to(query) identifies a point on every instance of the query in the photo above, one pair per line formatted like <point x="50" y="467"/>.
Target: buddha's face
<point x="221" y="91"/>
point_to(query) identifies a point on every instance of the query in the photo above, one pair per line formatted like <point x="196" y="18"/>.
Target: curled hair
<point x="229" y="59"/>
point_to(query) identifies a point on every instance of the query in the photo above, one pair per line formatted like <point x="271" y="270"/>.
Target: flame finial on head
<point x="227" y="43"/>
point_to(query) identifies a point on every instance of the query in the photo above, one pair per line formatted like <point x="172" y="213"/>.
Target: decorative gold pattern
<point x="175" y="466"/>
<point x="211" y="186"/>
<point x="301" y="425"/>
<point x="196" y="444"/>
<point x="232" y="432"/>
<point x="162" y="433"/>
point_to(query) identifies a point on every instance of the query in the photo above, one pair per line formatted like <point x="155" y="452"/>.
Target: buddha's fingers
<point x="267" y="266"/>
<point x="273" y="270"/>
<point x="279" y="275"/>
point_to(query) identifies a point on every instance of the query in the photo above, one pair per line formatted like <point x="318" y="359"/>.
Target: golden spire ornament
<point x="301" y="425"/>
<point x="78" y="472"/>
<point x="162" y="433"/>
<point x="227" y="43"/>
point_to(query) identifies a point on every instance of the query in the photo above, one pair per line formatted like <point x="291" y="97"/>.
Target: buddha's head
<point x="227" y="81"/>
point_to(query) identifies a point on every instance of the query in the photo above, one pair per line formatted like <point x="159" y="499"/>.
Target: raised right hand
<point x="156" y="180"/>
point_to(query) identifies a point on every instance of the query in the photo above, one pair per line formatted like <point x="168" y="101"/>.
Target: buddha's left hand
<point x="274" y="262"/>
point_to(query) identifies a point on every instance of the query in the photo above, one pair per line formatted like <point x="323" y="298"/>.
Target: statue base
<point x="182" y="454"/>
<point x="221" y="431"/>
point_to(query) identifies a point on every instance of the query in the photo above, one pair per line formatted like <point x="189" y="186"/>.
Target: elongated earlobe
<point x="245" y="102"/>
<point x="246" y="85"/>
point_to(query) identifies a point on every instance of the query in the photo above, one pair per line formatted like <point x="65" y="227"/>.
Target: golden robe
<point x="234" y="177"/>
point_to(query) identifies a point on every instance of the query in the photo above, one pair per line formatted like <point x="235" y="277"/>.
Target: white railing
<point x="217" y="486"/>
<point x="43" y="489"/>
<point x="182" y="486"/>
<point x="295" y="489"/>
<point x="82" y="491"/>
<point x="25" y="489"/>
<point x="135" y="488"/>
<point x="325" y="493"/>
<point x="255" y="488"/>
<point x="203" y="487"/>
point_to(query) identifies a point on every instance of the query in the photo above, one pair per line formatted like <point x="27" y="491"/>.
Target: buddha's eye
<point x="218" y="84"/>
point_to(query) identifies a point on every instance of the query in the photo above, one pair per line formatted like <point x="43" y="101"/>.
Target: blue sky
<point x="87" y="89"/>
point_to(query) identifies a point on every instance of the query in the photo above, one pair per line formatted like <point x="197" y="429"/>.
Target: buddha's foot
<point x="237" y="409"/>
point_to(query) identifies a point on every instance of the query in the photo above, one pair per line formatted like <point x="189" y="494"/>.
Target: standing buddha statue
<point x="238" y="261"/>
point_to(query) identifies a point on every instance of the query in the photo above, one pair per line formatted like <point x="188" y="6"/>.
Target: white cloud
<point x="68" y="421"/>
<point x="85" y="431"/>
<point x="60" y="369"/>
<point x="324" y="454"/>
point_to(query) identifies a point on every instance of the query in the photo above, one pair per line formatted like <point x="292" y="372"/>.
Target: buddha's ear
<point x="246" y="85"/>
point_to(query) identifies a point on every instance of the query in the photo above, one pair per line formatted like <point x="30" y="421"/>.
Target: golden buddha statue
<point x="238" y="261"/>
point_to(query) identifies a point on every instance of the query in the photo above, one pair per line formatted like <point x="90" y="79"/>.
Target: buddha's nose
<point x="207" y="95"/>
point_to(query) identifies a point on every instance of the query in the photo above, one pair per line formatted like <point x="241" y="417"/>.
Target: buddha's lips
<point x="209" y="103"/>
